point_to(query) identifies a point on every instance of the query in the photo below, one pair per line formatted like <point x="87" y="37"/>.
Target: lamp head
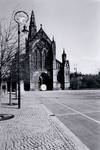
<point x="21" y="17"/>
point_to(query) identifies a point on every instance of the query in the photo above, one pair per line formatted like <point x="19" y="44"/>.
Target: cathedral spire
<point x="63" y="56"/>
<point x="32" y="20"/>
<point x="64" y="51"/>
<point x="32" y="26"/>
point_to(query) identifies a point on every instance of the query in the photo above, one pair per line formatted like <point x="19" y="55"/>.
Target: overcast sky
<point x="75" y="25"/>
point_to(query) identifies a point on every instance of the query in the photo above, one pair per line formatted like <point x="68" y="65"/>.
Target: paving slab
<point x="34" y="128"/>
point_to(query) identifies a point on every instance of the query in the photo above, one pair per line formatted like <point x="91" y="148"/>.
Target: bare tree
<point x="8" y="47"/>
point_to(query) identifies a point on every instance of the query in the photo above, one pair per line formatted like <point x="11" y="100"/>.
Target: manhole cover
<point x="6" y="116"/>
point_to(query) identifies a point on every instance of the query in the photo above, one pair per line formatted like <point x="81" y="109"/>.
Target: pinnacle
<point x="64" y="51"/>
<point x="53" y="38"/>
<point x="33" y="18"/>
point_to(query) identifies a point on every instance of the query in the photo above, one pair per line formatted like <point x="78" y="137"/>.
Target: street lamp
<point x="21" y="18"/>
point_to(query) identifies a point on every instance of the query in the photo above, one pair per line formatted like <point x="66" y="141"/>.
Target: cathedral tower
<point x="63" y="57"/>
<point x="32" y="27"/>
<point x="54" y="64"/>
<point x="66" y="71"/>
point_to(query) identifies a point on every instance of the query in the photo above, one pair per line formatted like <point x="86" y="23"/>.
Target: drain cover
<point x="6" y="116"/>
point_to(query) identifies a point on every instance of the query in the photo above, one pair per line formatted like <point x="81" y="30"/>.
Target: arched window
<point x="38" y="60"/>
<point x="35" y="59"/>
<point x="43" y="59"/>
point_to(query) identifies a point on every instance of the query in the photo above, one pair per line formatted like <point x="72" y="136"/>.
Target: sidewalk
<point x="34" y="128"/>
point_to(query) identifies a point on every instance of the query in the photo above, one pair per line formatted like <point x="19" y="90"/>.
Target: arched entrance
<point x="45" y="79"/>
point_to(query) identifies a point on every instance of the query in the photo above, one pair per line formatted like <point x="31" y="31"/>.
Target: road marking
<point x="79" y="112"/>
<point x="67" y="114"/>
<point x="88" y="112"/>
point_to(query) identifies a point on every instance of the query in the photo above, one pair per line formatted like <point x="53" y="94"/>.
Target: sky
<point x="75" y="25"/>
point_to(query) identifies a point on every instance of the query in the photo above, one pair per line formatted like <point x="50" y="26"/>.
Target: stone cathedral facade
<point x="41" y="65"/>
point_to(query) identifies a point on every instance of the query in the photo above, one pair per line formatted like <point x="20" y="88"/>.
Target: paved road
<point x="32" y="128"/>
<point x="79" y="111"/>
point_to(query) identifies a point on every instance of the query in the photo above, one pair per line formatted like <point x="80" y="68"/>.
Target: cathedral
<point x="41" y="65"/>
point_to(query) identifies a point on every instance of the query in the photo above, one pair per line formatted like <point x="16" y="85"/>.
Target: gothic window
<point x="35" y="59"/>
<point x="44" y="59"/>
<point x="38" y="60"/>
<point x="32" y="61"/>
<point x="41" y="60"/>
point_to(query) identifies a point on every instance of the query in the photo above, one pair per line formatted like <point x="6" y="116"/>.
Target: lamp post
<point x="21" y="18"/>
<point x="0" y="57"/>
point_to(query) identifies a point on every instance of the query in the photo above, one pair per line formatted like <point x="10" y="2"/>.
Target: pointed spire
<point x="32" y="26"/>
<point x="63" y="56"/>
<point x="32" y="19"/>
<point x="64" y="51"/>
<point x="53" y="38"/>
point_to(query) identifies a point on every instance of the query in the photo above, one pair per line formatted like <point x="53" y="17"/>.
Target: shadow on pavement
<point x="6" y="116"/>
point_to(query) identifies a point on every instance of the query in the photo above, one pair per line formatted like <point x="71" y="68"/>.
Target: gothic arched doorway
<point x="46" y="80"/>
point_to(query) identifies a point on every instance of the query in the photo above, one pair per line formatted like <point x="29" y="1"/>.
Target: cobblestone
<point x="31" y="129"/>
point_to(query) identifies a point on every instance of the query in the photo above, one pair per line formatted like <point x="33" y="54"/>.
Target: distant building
<point x="41" y="65"/>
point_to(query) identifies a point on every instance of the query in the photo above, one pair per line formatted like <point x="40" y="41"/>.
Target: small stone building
<point x="41" y="65"/>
